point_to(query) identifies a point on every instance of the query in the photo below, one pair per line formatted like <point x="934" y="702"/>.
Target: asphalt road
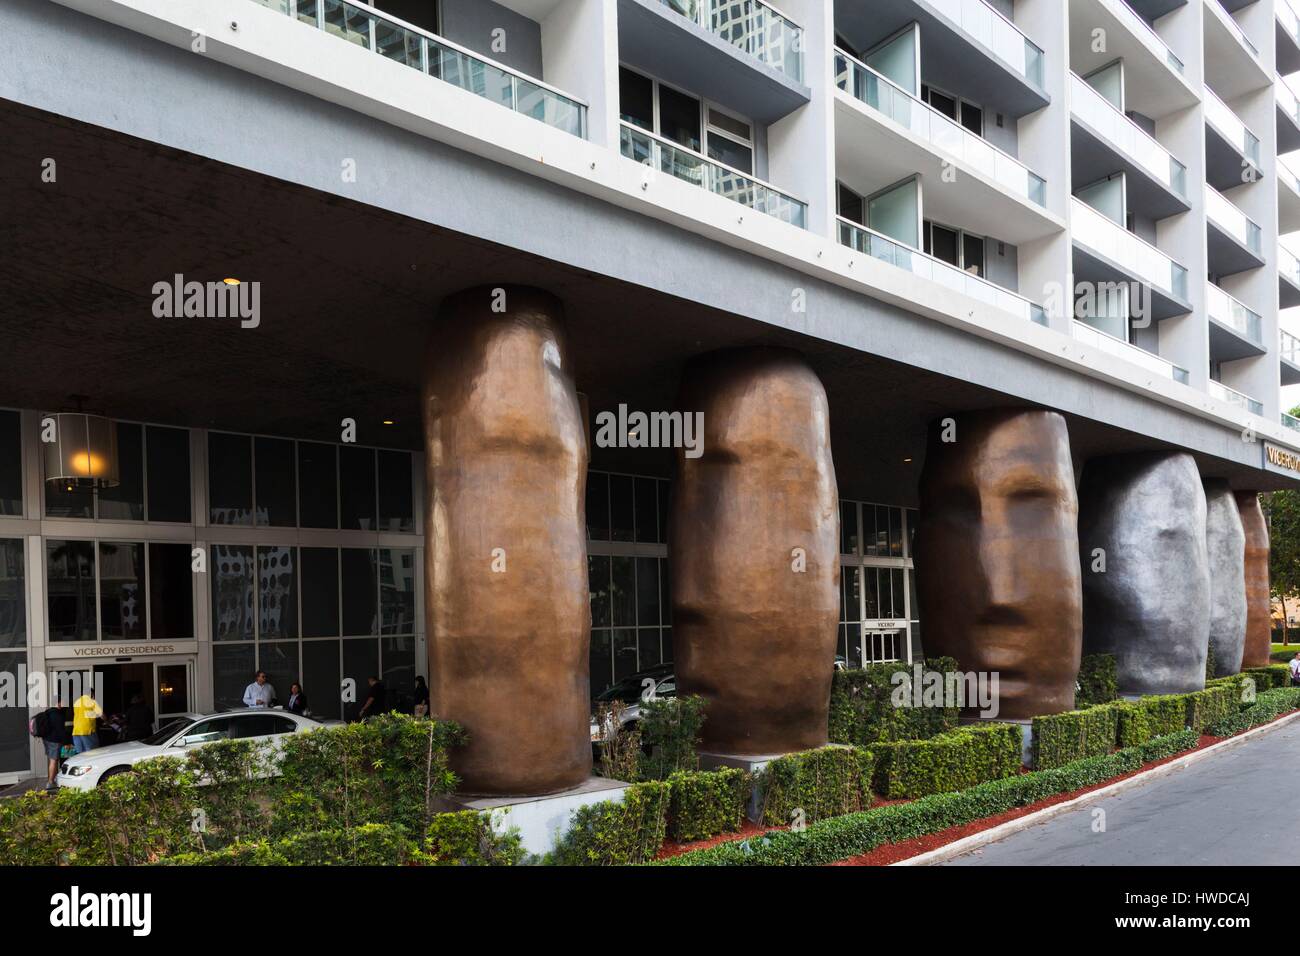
<point x="1233" y="808"/>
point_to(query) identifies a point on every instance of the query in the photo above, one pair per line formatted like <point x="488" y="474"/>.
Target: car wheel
<point x="114" y="772"/>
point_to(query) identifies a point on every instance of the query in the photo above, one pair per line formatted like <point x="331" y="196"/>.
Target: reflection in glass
<point x="171" y="594"/>
<point x="280" y="661"/>
<point x="70" y="579"/>
<point x="625" y="653"/>
<point x="233" y="669"/>
<point x="122" y="600"/>
<point x="397" y="656"/>
<point x="598" y="587"/>
<point x="231" y="567"/>
<point x="359" y="591"/>
<point x="647" y="591"/>
<point x="623" y="591"/>
<point x="173" y="689"/>
<point x="396" y="591"/>
<point x="277" y="592"/>
<point x="602" y="660"/>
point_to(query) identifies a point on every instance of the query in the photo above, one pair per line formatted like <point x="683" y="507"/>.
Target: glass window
<point x="233" y="668"/>
<point x="11" y="464"/>
<point x="666" y="645"/>
<point x="602" y="661"/>
<point x="896" y="588"/>
<point x="869" y="530"/>
<point x="397" y="655"/>
<point x="167" y="454"/>
<point x="125" y="500"/>
<point x="623" y="591"/>
<point x="396" y="494"/>
<point x="636" y="99"/>
<point x="171" y="593"/>
<point x="173" y="687"/>
<point x="67" y="500"/>
<point x="122" y="598"/>
<point x="206" y="731"/>
<point x="912" y="517"/>
<point x="647" y="591"/>
<point x="318" y="485"/>
<point x="320" y="674"/>
<point x="647" y="519"/>
<point x="626" y="661"/>
<point x="230" y="479"/>
<point x="597" y="506"/>
<point x="664" y="491"/>
<point x="896" y="532"/>
<point x="15" y="744"/>
<point x="396" y="591"/>
<point x="728" y="151"/>
<point x="850" y="585"/>
<point x="621" y="508"/>
<point x="275" y="482"/>
<point x="280" y="661"/>
<point x="360" y="661"/>
<point x="848" y="527"/>
<point x="13" y="594"/>
<point x="356" y="488"/>
<point x="665" y="592"/>
<point x="679" y="118"/>
<point x="70" y="578"/>
<point x="598" y="585"/>
<point x="870" y="595"/>
<point x="320" y="592"/>
<point x="277" y="592"/>
<point x="359" y="591"/>
<point x="231" y="567"/>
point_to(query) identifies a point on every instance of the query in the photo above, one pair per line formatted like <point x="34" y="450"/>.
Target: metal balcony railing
<point x="403" y="43"/>
<point x="1133" y="141"/>
<point x="684" y="164"/>
<point x="879" y="246"/>
<point x="755" y="27"/>
<point x="887" y="98"/>
<point x="1091" y="335"/>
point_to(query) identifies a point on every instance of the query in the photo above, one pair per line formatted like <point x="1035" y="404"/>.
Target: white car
<point x="87" y="770"/>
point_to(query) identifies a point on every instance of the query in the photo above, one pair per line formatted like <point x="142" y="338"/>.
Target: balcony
<point x="1235" y="331"/>
<point x="1161" y="368"/>
<point x="1288" y="274"/>
<point x="1288" y="36"/>
<point x="1232" y="60"/>
<point x="681" y="163"/>
<point x="966" y="45"/>
<point x="1288" y="116"/>
<point x="1113" y="254"/>
<point x="1229" y="143"/>
<point x="881" y="247"/>
<point x="1288" y="198"/>
<point x="1104" y="139"/>
<point x="1233" y="397"/>
<point x="441" y="59"/>
<point x="1290" y="421"/>
<point x="742" y="54"/>
<point x="1288" y="353"/>
<point x="1155" y="81"/>
<point x="1235" y="240"/>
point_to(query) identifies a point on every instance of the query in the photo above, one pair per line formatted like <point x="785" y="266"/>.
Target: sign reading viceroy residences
<point x="1282" y="460"/>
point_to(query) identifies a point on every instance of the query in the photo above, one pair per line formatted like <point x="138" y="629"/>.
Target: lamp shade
<point x="83" y="449"/>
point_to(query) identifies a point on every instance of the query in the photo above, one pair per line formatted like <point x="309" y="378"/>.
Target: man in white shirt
<point x="1295" y="669"/>
<point x="259" y="693"/>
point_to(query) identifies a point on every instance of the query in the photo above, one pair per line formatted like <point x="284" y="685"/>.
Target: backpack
<point x="39" y="726"/>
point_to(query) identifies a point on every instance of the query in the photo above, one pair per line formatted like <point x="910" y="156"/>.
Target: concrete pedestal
<point x="541" y="821"/>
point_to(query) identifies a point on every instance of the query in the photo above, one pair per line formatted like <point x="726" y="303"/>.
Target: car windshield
<point x="166" y="732"/>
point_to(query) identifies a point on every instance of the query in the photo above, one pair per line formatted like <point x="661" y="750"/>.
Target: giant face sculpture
<point x="997" y="556"/>
<point x="754" y="551"/>
<point x="1259" y="623"/>
<point x="1150" y="608"/>
<point x="506" y="568"/>
<point x="1225" y="544"/>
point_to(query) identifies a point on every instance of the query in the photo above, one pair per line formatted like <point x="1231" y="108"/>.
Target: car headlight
<point x="80" y="770"/>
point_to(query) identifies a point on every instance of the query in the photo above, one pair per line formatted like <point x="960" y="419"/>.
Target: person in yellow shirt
<point x="85" y="712"/>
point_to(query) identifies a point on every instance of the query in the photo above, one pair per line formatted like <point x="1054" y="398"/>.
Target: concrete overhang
<point x="1226" y="254"/>
<point x="1093" y="158"/>
<point x="1092" y="266"/>
<point x="1232" y="69"/>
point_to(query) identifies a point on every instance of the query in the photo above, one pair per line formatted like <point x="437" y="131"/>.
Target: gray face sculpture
<point x="1151" y="606"/>
<point x="1225" y="542"/>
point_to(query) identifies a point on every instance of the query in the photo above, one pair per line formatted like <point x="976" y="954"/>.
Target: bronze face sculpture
<point x="506" y="553"/>
<point x="1259" y="604"/>
<point x="1145" y="513"/>
<point x="997" y="555"/>
<point x="754" y="553"/>
<point x="1225" y="546"/>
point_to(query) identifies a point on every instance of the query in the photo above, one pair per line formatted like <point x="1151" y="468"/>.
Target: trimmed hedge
<point x="1267" y="678"/>
<point x="616" y="833"/>
<point x="862" y="711"/>
<point x="372" y="844"/>
<point x="842" y="837"/>
<point x="707" y="802"/>
<point x="958" y="759"/>
<point x="816" y="784"/>
<point x="1061" y="739"/>
<point x="1097" y="682"/>
<point x="1268" y="706"/>
<point x="1207" y="707"/>
<point x="1156" y="716"/>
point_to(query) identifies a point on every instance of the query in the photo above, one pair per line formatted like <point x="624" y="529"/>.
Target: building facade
<point x="944" y="206"/>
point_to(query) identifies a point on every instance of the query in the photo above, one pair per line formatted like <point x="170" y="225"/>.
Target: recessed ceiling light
<point x="230" y="281"/>
<point x="388" y="421"/>
<point x="907" y="461"/>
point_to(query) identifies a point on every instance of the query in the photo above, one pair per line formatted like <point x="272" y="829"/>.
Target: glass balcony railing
<point x="1105" y="236"/>
<point x="1090" y="335"/>
<point x="1287" y="176"/>
<point x="1286" y="100"/>
<point x="927" y="123"/>
<point x="1235" y="28"/>
<point x="1288" y="265"/>
<point x="1232" y="129"/>
<point x="684" y="164"/>
<point x="871" y="243"/>
<point x="751" y="26"/>
<point x="1127" y="137"/>
<point x="996" y="33"/>
<point x="397" y="40"/>
<point x="1226" y="310"/>
<point x="1233" y="397"/>
<point x="1290" y="421"/>
<point x="1233" y="221"/>
<point x="1289" y="19"/>
<point x="1142" y="30"/>
<point x="1289" y="347"/>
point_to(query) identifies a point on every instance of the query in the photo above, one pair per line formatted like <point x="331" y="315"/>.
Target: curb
<point x="994" y="834"/>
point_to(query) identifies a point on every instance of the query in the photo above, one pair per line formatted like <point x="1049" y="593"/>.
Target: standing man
<point x="52" y="728"/>
<point x="376" y="702"/>
<point x="259" y="693"/>
<point x="85" y="716"/>
<point x="1295" y="670"/>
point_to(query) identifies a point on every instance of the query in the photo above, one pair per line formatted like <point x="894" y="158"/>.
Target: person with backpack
<point x="51" y="727"/>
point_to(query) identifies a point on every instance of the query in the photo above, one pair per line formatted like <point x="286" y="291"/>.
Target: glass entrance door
<point x="883" y="646"/>
<point x="173" y="688"/>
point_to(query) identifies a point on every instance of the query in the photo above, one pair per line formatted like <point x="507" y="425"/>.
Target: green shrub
<point x="842" y="837"/>
<point x="1267" y="678"/>
<point x="706" y="803"/>
<point x="1268" y="706"/>
<point x="862" y="711"/>
<point x="1211" y="661"/>
<point x="1284" y="656"/>
<point x="1149" y="717"/>
<point x="1061" y="739"/>
<point x="815" y="784"/>
<point x="616" y="833"/>
<point x="670" y="734"/>
<point x="371" y="844"/>
<point x="1097" y="682"/>
<point x="961" y="758"/>
<point x="1207" y="707"/>
<point x="467" y="838"/>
